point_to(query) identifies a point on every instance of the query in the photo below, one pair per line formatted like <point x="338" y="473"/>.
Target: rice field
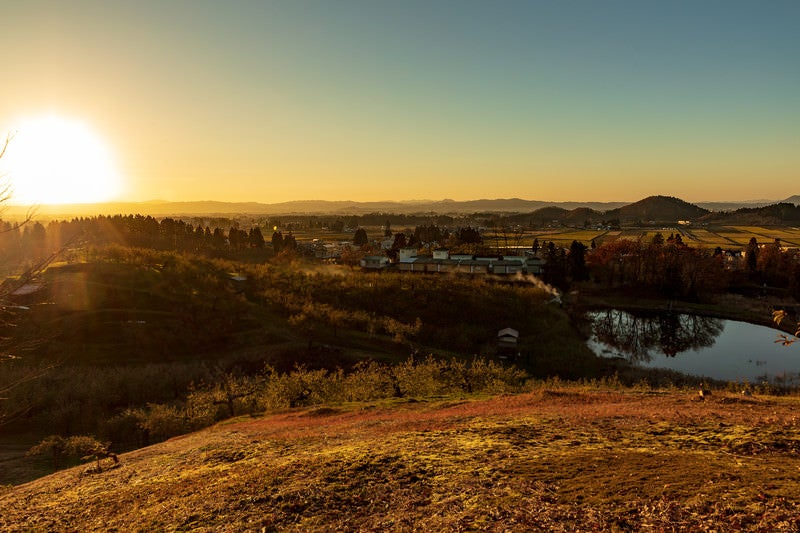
<point x="726" y="237"/>
<point x="787" y="235"/>
<point x="739" y="236"/>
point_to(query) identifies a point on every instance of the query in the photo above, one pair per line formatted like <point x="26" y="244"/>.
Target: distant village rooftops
<point x="409" y="260"/>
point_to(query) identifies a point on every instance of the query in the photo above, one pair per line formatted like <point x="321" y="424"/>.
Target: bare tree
<point x="12" y="345"/>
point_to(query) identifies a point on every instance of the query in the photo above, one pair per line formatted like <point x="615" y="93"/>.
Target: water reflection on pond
<point x="704" y="346"/>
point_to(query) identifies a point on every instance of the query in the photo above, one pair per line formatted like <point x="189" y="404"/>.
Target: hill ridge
<point x="343" y="207"/>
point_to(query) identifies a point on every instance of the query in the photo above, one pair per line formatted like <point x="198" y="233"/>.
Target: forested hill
<point x="791" y="200"/>
<point x="659" y="209"/>
<point x="776" y="214"/>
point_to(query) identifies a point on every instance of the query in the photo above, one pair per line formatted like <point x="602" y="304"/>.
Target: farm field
<point x="788" y="235"/>
<point x="726" y="237"/>
<point x="739" y="236"/>
<point x="565" y="238"/>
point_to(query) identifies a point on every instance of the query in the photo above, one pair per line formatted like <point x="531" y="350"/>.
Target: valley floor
<point x="561" y="458"/>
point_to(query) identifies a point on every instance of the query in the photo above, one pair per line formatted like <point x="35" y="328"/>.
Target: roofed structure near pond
<point x="507" y="338"/>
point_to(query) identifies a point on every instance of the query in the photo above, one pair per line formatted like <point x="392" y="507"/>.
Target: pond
<point x="719" y="349"/>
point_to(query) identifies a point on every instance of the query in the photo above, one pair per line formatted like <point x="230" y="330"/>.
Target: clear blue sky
<point x="369" y="100"/>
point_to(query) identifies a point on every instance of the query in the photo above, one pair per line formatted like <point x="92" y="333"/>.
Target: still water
<point x="719" y="349"/>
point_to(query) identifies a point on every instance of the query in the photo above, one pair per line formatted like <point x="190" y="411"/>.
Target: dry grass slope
<point x="557" y="459"/>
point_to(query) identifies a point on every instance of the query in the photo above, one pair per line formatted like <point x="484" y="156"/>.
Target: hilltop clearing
<point x="561" y="458"/>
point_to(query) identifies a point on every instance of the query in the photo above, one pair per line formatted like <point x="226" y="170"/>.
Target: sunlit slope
<point x="556" y="459"/>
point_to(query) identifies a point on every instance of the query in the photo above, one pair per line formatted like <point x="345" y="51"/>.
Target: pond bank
<point x="753" y="310"/>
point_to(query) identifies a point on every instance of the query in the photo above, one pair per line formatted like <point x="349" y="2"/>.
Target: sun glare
<point x="55" y="160"/>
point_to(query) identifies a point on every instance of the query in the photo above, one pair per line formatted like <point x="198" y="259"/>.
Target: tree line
<point x="34" y="240"/>
<point x="677" y="270"/>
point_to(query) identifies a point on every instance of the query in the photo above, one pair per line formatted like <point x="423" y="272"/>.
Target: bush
<point x="78" y="447"/>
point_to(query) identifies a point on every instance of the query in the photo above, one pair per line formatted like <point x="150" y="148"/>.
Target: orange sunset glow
<point x="273" y="102"/>
<point x="53" y="160"/>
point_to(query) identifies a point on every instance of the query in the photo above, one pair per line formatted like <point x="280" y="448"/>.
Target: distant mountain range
<point x="653" y="208"/>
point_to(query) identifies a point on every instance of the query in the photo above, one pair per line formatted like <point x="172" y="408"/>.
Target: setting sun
<point x="56" y="160"/>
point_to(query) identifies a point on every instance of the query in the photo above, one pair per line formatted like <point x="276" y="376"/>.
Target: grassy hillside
<point x="560" y="458"/>
<point x="126" y="305"/>
<point x="117" y="339"/>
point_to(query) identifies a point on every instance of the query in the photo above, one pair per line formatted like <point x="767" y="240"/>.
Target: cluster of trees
<point x="770" y="264"/>
<point x="678" y="270"/>
<point x="281" y="243"/>
<point x="669" y="266"/>
<point x="34" y="240"/>
<point x="563" y="266"/>
<point x="224" y="393"/>
<point x="666" y="265"/>
<point x="63" y="450"/>
<point x="424" y="234"/>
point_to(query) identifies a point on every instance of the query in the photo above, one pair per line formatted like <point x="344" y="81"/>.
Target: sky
<point x="274" y="101"/>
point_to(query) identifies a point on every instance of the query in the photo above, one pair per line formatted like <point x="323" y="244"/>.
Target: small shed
<point x="507" y="338"/>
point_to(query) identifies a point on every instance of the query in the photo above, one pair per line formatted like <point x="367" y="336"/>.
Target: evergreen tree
<point x="277" y="241"/>
<point x="577" y="261"/>
<point x="399" y="241"/>
<point x="256" y="238"/>
<point x="751" y="255"/>
<point x="360" y="237"/>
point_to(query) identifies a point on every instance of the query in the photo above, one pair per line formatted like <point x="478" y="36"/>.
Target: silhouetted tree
<point x="256" y="238"/>
<point x="360" y="237"/>
<point x="218" y="239"/>
<point x="555" y="268"/>
<point x="469" y="235"/>
<point x="751" y="256"/>
<point x="289" y="242"/>
<point x="399" y="241"/>
<point x="277" y="241"/>
<point x="577" y="261"/>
